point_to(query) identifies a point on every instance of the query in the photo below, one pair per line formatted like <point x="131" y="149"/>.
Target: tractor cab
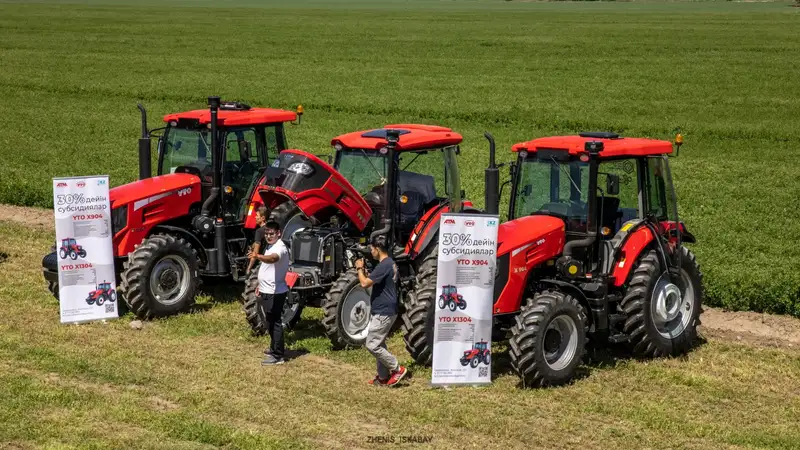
<point x="68" y="243"/>
<point x="449" y="290"/>
<point x="599" y="185"/>
<point x="250" y="139"/>
<point x="105" y="287"/>
<point x="414" y="164"/>
<point x="481" y="346"/>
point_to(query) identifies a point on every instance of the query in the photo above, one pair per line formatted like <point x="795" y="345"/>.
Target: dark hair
<point x="272" y="225"/>
<point x="379" y="242"/>
<point x="262" y="211"/>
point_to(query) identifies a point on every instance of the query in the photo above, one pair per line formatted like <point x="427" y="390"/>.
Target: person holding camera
<point x="383" y="311"/>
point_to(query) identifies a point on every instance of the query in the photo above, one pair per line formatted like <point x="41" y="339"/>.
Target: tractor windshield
<point x="480" y="346"/>
<point x="364" y="169"/>
<point x="186" y="147"/>
<point x="104" y="286"/>
<point x="547" y="185"/>
<point x="68" y="242"/>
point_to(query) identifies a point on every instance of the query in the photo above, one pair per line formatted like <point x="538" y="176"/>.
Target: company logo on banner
<point x="86" y="276"/>
<point x="462" y="345"/>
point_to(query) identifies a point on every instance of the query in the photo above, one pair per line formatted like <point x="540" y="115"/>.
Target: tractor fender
<point x="574" y="291"/>
<point x="191" y="238"/>
<point x="632" y="246"/>
<point x="428" y="228"/>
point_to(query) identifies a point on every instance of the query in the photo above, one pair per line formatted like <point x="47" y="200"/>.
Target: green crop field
<point x="724" y="73"/>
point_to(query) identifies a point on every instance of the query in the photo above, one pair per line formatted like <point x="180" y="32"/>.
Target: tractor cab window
<point x="617" y="194"/>
<point x="660" y="195"/>
<point x="425" y="177"/>
<point x="243" y="165"/>
<point x="104" y="286"/>
<point x="364" y="169"/>
<point x="188" y="150"/>
<point x="550" y="184"/>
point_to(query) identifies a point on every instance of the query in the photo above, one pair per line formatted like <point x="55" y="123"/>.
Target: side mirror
<point x="527" y="190"/>
<point x="612" y="184"/>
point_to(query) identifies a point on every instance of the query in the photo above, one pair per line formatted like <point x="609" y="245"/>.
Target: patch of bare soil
<point x="34" y="217"/>
<point x="755" y="328"/>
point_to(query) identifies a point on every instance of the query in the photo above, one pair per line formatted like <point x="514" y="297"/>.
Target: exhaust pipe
<point x="491" y="199"/>
<point x="145" y="169"/>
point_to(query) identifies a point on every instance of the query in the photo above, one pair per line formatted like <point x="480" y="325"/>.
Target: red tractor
<point x="394" y="181"/>
<point x="195" y="217"/>
<point x="101" y="294"/>
<point x="479" y="353"/>
<point x="450" y="298"/>
<point x="71" y="248"/>
<point x="593" y="249"/>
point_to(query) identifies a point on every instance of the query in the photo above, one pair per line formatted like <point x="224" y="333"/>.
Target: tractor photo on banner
<point x="86" y="276"/>
<point x="462" y="350"/>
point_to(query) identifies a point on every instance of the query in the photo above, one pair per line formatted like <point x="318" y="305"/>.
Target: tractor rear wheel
<point x="161" y="277"/>
<point x="62" y="253"/>
<point x="548" y="339"/>
<point x="292" y="308"/>
<point x="662" y="316"/>
<point x="420" y="312"/>
<point x="346" y="310"/>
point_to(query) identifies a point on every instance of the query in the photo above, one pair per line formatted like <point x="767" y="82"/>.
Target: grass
<point x="719" y="72"/>
<point x="194" y="381"/>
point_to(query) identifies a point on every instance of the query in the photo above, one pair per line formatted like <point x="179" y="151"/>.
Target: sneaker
<point x="397" y="375"/>
<point x="271" y="360"/>
<point x="378" y="381"/>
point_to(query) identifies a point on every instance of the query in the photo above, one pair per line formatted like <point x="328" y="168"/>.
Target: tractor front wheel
<point x="101" y="299"/>
<point x="161" y="277"/>
<point x="663" y="316"/>
<point x="346" y="310"/>
<point x="292" y="308"/>
<point x="62" y="253"/>
<point x="548" y="339"/>
<point x="73" y="255"/>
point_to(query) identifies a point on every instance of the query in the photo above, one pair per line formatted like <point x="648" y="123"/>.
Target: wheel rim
<point x="355" y="314"/>
<point x="441" y="303"/>
<point x="452" y="305"/>
<point x="671" y="307"/>
<point x="169" y="280"/>
<point x="560" y="342"/>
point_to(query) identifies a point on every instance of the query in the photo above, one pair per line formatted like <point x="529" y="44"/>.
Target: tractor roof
<point x="613" y="145"/>
<point x="412" y="137"/>
<point x="235" y="117"/>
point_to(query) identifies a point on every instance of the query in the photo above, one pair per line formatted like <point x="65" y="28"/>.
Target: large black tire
<point x="135" y="287"/>
<point x="647" y="281"/>
<point x="73" y="255"/>
<point x="52" y="286"/>
<point x="292" y="309"/>
<point x="336" y="299"/>
<point x="420" y="312"/>
<point x="545" y="320"/>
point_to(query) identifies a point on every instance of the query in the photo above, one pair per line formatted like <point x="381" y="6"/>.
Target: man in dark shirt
<point x="383" y="312"/>
<point x="259" y="240"/>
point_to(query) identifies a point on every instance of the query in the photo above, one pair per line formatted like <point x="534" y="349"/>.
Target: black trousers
<point x="271" y="306"/>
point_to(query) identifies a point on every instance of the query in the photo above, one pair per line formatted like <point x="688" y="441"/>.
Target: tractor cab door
<point x="660" y="199"/>
<point x="248" y="152"/>
<point x="618" y="205"/>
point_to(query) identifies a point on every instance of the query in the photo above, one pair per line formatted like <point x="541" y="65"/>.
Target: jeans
<point x="271" y="307"/>
<point x="379" y="328"/>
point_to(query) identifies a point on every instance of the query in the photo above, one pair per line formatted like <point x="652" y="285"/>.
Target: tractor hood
<point x="150" y="189"/>
<point x="528" y="231"/>
<point x="318" y="190"/>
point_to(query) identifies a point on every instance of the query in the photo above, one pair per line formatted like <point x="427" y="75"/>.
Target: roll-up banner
<point x="86" y="276"/>
<point x="462" y="349"/>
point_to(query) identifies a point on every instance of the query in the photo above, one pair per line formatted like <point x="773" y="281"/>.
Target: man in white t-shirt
<point x="272" y="289"/>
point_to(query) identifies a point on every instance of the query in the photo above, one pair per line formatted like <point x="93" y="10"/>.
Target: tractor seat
<point x="411" y="211"/>
<point x="425" y="185"/>
<point x="609" y="206"/>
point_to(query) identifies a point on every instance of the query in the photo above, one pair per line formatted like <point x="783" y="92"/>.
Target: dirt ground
<point x="755" y="328"/>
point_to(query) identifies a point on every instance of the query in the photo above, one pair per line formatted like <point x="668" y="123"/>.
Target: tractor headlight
<point x="301" y="168"/>
<point x="119" y="218"/>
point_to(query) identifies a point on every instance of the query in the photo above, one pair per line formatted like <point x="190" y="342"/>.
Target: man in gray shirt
<point x="383" y="311"/>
